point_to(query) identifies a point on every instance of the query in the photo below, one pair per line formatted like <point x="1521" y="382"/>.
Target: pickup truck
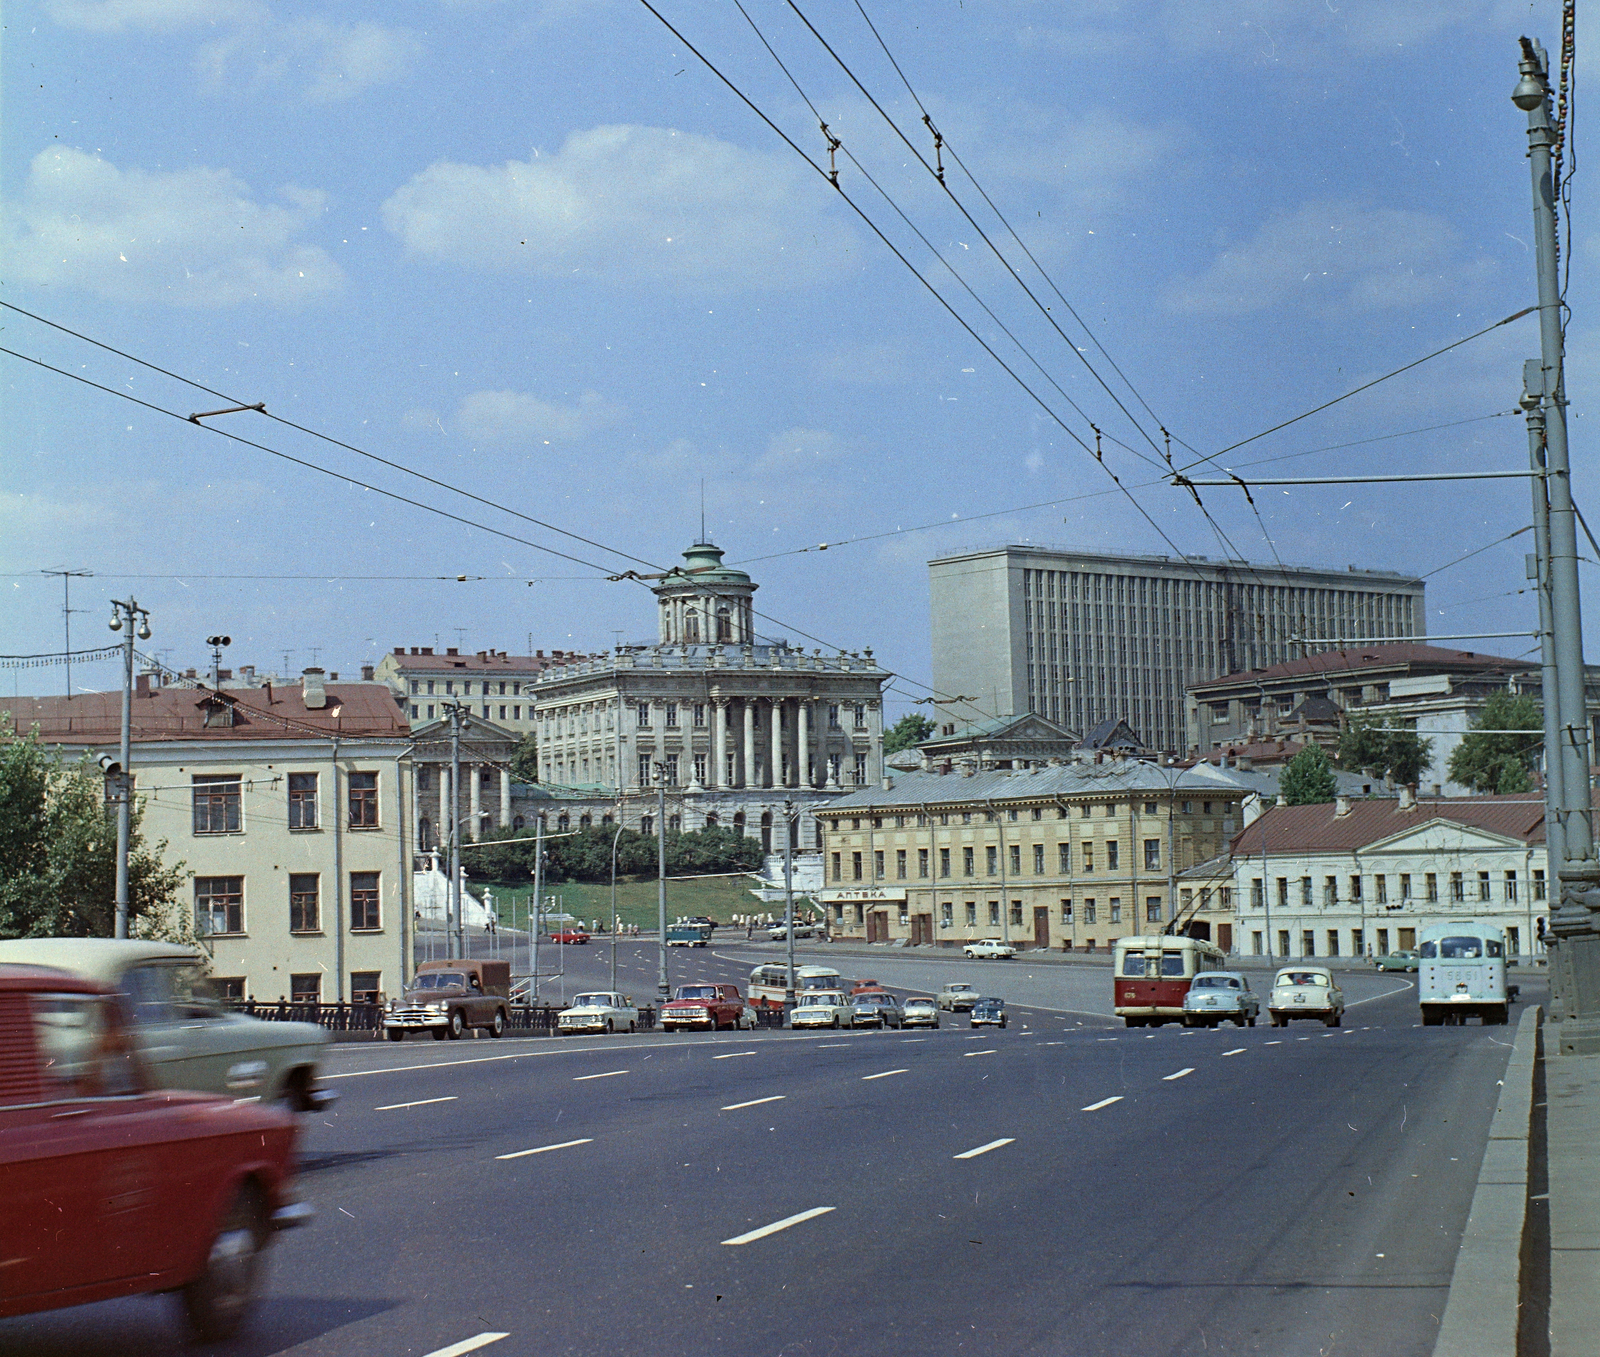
<point x="448" y="997"/>
<point x="712" y="1007"/>
<point x="689" y="935"/>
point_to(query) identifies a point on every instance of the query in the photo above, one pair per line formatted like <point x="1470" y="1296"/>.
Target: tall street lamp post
<point x="126" y="615"/>
<point x="788" y="905"/>
<point x="614" y="840"/>
<point x="663" y="985"/>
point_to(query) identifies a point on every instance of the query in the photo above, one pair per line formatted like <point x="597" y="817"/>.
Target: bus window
<point x="1492" y="948"/>
<point x="1429" y="949"/>
<point x="1172" y="963"/>
<point x="1133" y="965"/>
<point x="1464" y="949"/>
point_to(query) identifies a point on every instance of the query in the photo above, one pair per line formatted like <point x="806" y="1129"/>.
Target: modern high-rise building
<point x="1081" y="637"/>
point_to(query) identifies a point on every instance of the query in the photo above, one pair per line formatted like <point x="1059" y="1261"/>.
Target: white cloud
<point x="329" y="61"/>
<point x="189" y="237"/>
<point x="1334" y="256"/>
<point x="515" y="417"/>
<point x="627" y="205"/>
<point x="798" y="452"/>
<point x="151" y="16"/>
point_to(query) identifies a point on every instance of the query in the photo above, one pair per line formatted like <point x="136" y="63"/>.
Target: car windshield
<point x="822" y="998"/>
<point x="990" y="1005"/>
<point x="593" y="1001"/>
<point x="1468" y="948"/>
<point x="1302" y="978"/>
<point x="440" y="980"/>
<point x="919" y="1003"/>
<point x="958" y="989"/>
<point x="697" y="992"/>
<point x="871" y="999"/>
<point x="1215" y="982"/>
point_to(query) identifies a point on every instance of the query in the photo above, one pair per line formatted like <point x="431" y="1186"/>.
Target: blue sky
<point x="542" y="254"/>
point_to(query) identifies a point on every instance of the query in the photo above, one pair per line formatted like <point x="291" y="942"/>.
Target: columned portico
<point x="719" y="743"/>
<point x="775" y="764"/>
<point x="474" y="778"/>
<point x="747" y="774"/>
<point x="504" y="820"/>
<point x="802" y="739"/>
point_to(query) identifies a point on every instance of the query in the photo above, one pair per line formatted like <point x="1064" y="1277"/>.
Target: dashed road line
<point x="467" y="1345"/>
<point x="1104" y="1102"/>
<point x="544" y="1149"/>
<point x="788" y="1221"/>
<point x="834" y="1046"/>
<point x="609" y="1074"/>
<point x="1237" y="1050"/>
<point x="756" y="1102"/>
<point x="421" y="1102"/>
<point x="972" y="1053"/>
<point x="732" y="1055"/>
<point x="884" y="1075"/>
<point x="1168" y="1078"/>
<point x="984" y="1149"/>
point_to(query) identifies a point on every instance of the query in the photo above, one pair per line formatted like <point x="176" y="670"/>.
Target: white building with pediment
<point x="1360" y="878"/>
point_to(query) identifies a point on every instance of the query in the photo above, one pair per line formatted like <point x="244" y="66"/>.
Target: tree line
<point x="585" y="855"/>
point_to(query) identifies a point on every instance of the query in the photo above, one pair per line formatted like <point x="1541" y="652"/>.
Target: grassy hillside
<point x="719" y="898"/>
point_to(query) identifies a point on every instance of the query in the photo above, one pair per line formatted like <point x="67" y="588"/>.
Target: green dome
<point x="705" y="560"/>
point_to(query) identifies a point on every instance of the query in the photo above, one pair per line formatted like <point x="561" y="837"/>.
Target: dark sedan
<point x="876" y="1009"/>
<point x="988" y="1013"/>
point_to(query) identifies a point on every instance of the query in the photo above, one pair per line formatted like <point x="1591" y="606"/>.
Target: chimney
<point x="888" y="783"/>
<point x="538" y="654"/>
<point x="366" y="673"/>
<point x="1408" y="797"/>
<point x="333" y="677"/>
<point x="1341" y="807"/>
<point x="1243" y="763"/>
<point x="1252" y="809"/>
<point x="427" y="650"/>
<point x="1282" y="800"/>
<point x="450" y="650"/>
<point x="312" y="690"/>
<point x="401" y="650"/>
<point x="247" y="672"/>
<point x="414" y="650"/>
<point x="141" y="685"/>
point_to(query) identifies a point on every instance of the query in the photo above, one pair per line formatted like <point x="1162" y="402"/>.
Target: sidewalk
<point x="1572" y="1121"/>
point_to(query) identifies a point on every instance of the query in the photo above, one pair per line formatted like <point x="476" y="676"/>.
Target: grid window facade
<point x="364" y="901"/>
<point x="302" y="800"/>
<point x="305" y="913"/>
<point x="217" y="803"/>
<point x="363" y="800"/>
<point x="219" y="904"/>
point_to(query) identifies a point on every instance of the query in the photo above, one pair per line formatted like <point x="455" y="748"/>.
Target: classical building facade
<point x="1084" y="637"/>
<point x="735" y="723"/>
<point x="493" y="685"/>
<point x="1066" y="856"/>
<point x="483" y="800"/>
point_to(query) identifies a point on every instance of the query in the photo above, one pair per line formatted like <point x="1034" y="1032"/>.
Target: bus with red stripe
<point x="1151" y="975"/>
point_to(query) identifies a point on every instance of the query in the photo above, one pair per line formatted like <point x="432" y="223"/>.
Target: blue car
<point x="988" y="1013"/>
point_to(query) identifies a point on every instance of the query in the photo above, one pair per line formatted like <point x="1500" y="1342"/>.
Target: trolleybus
<point x="768" y="983"/>
<point x="1462" y="972"/>
<point x="1150" y="976"/>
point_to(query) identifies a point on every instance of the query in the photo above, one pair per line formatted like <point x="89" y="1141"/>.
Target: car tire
<point x="632" y="1027"/>
<point x="1252" y="1020"/>
<point x="438" y="1034"/>
<point x="1238" y="1020"/>
<point x="936" y="1024"/>
<point x="609" y="1028"/>
<point x="1332" y="1020"/>
<point x="217" y="1302"/>
<point x="498" y="1027"/>
<point x="396" y="1034"/>
<point x="1276" y="1020"/>
<point x="458" y="1025"/>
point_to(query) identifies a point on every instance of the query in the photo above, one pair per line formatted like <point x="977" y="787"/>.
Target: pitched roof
<point x="1123" y="777"/>
<point x="1029" y="725"/>
<point x="1319" y="828"/>
<point x="181" y="714"/>
<point x="483" y="662"/>
<point x="1369" y="655"/>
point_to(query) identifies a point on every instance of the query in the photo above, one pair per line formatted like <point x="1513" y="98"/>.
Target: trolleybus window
<point x="1133" y="964"/>
<point x="1172" y="963"/>
<point x="1466" y="948"/>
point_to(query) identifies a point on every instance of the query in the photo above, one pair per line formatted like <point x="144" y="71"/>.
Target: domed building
<point x="735" y="722"/>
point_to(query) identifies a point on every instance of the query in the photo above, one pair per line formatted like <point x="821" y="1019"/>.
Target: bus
<point x="1462" y="972"/>
<point x="1150" y="976"/>
<point x="769" y="983"/>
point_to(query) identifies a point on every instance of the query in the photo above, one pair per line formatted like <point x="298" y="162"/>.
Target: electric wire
<point x="1478" y="551"/>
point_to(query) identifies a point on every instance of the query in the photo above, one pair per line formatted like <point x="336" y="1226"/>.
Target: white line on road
<point x="609" y="1074"/>
<point x="1168" y="1078"/>
<point x="884" y="1075"/>
<point x="467" y="1345"/>
<point x="777" y="1225"/>
<point x="396" y="1107"/>
<point x="911" y="1041"/>
<point x="732" y="1055"/>
<point x="756" y="1102"/>
<point x="834" y="1046"/>
<point x="1237" y="1050"/>
<point x="968" y="1053"/>
<point x="1055" y="1043"/>
<point x="1273" y="1043"/>
<point x="545" y="1149"/>
<point x="984" y="1149"/>
<point x="1104" y="1102"/>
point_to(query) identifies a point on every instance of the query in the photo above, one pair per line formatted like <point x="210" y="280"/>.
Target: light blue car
<point x="1215" y="995"/>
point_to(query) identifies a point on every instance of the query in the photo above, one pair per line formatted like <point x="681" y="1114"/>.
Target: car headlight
<point x="433" y="1008"/>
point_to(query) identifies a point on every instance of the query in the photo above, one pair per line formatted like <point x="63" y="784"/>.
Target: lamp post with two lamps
<point x="128" y="616"/>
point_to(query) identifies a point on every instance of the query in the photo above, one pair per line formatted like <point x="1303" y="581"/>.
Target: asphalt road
<point x="1063" y="1187"/>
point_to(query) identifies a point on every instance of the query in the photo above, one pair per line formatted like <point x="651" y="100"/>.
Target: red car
<point x="706" y="1005"/>
<point x="570" y="935"/>
<point x="113" y="1188"/>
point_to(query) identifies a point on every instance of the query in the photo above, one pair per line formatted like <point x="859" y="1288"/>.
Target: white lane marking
<point x="545" y="1149"/>
<point x="834" y="1046"/>
<point x="756" y="1102"/>
<point x="467" y="1345"/>
<point x="1373" y="998"/>
<point x="1168" y="1078"/>
<point x="984" y="1149"/>
<point x="1104" y="1102"/>
<point x="1237" y="1050"/>
<point x="784" y="1224"/>
<point x="1273" y="1043"/>
<point x="423" y="1102"/>
<point x="982" y="1036"/>
<point x="609" y="1074"/>
<point x="972" y="1053"/>
<point x="884" y="1075"/>
<point x="732" y="1055"/>
<point x="1054" y="1043"/>
<point x="911" y="1041"/>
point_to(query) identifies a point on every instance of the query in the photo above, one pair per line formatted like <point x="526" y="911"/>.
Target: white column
<point x="505" y="798"/>
<point x="802" y="735"/>
<point x="748" y="772"/>
<point x="875" y="748"/>
<point x="719" y="742"/>
<point x="775" y="766"/>
<point x="416" y="810"/>
<point x="443" y="830"/>
<point x="474" y="778"/>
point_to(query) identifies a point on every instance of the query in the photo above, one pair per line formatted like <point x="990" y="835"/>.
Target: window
<point x="1431" y="886"/>
<point x="994" y="912"/>
<point x="1224" y="897"/>
<point x="877" y="864"/>
<point x="1380" y="886"/>
<point x="1356" y="942"/>
<point x="1084" y="810"/>
<point x="838" y="867"/>
<point x="647" y="824"/>
<point x="860" y="713"/>
<point x="302" y="800"/>
<point x="1483" y="885"/>
<point x="1152" y="855"/>
<point x="1088" y="857"/>
<point x="77" y="1057"/>
<point x="900" y="864"/>
<point x="1458" y="889"/>
<point x="671" y="762"/>
<point x="1116" y="910"/>
<point x="1151" y="808"/>
<point x="1355" y="890"/>
<point x="642" y="716"/>
<point x="700" y="769"/>
<point x="1305" y="892"/>
<point x="364" y="900"/>
<point x="363" y="800"/>
<point x="1088" y="911"/>
<point x="306" y="989"/>
<point x="1333" y="942"/>
<point x="216" y="803"/>
<point x="304" y="914"/>
<point x="218" y="904"/>
<point x="1538" y="883"/>
<point x="430" y="687"/>
<point x="675" y="823"/>
<point x="415" y="686"/>
<point x="1308" y="943"/>
<point x="1283" y="892"/>
<point x="1111" y="810"/>
<point x="1258" y="896"/>
<point x="1038" y="859"/>
<point x="672" y="714"/>
<point x="516" y="713"/>
<point x="922" y="862"/>
<point x="1152" y="909"/>
<point x="944" y="862"/>
<point x="1064" y="858"/>
<point x="1113" y="850"/>
<point x="1016" y="859"/>
<point x="502" y="711"/>
<point x="413" y="711"/>
<point x="1016" y="911"/>
<point x="991" y="860"/>
<point x="1405" y="888"/>
<point x="833" y="715"/>
<point x="966" y="862"/>
<point x="972" y="913"/>
<point x="966" y="817"/>
<point x="364" y="986"/>
<point x="1330" y="891"/>
<point x="861" y="770"/>
<point x="945" y="912"/>
<point x="855" y="866"/>
<point x="700" y="714"/>
<point x="1038" y="814"/>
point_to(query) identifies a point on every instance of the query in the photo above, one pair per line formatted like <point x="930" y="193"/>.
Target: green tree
<point x="1488" y="762"/>
<point x="58" y="854"/>
<point x="1308" y="779"/>
<point x="910" y="729"/>
<point x="1384" y="749"/>
<point x="525" y="762"/>
<point x="586" y="855"/>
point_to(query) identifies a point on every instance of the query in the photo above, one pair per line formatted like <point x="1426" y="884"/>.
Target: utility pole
<point x="788" y="903"/>
<point x="1575" y="963"/>
<point x="615" y="839"/>
<point x="124" y="613"/>
<point x="1538" y="570"/>
<point x="663" y="985"/>
<point x="454" y="914"/>
<point x="538" y="905"/>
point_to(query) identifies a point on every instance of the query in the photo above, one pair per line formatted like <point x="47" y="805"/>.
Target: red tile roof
<point x="1370" y="655"/>
<point x="180" y="714"/>
<point x="1311" y="829"/>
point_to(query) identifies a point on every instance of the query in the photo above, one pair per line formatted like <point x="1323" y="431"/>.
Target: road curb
<point x="1480" y="1317"/>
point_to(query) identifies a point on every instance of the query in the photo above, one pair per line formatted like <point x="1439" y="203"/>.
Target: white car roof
<point x="102" y="959"/>
<point x="1313" y="970"/>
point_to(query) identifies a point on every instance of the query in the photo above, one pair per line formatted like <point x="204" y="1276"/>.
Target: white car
<point x="821" y="1008"/>
<point x="1305" y="991"/>
<point x="956" y="997"/>
<point x="605" y="1011"/>
<point x="990" y="949"/>
<point x="780" y="932"/>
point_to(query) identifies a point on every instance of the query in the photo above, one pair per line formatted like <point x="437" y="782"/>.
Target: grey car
<point x="876" y="1009"/>
<point x="1217" y="996"/>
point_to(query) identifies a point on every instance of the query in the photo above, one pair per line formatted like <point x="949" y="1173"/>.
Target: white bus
<point x="1462" y="971"/>
<point x="769" y="983"/>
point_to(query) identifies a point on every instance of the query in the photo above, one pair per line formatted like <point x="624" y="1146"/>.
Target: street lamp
<point x="137" y="620"/>
<point x="663" y="985"/>
<point x="614" y="839"/>
<point x="788" y="904"/>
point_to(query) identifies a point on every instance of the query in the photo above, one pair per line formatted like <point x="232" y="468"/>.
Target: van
<point x="448" y="997"/>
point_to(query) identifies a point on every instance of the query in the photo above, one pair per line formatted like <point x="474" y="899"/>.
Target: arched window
<point x="766" y="831"/>
<point x="425" y="835"/>
<point x="738" y="824"/>
<point x="712" y="821"/>
<point x="585" y="821"/>
<point x="563" y="821"/>
<point x="517" y="822"/>
<point x="724" y="625"/>
<point x="691" y="627"/>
